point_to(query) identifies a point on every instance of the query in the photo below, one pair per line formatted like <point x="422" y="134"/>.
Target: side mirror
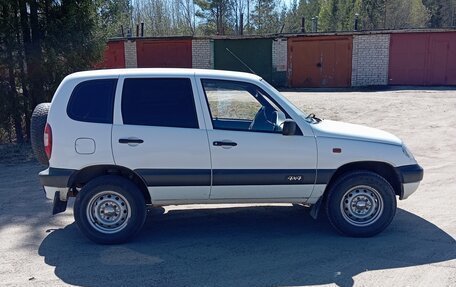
<point x="289" y="127"/>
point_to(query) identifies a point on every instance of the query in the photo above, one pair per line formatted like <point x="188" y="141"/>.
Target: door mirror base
<point x="289" y="127"/>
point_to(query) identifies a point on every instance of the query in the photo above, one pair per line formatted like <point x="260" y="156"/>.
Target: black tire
<point x="110" y="191"/>
<point x="37" y="125"/>
<point x="361" y="204"/>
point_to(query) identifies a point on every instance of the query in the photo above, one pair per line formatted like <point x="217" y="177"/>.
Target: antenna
<point x="237" y="58"/>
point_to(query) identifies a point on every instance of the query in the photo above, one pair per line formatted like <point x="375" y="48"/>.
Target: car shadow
<point x="248" y="246"/>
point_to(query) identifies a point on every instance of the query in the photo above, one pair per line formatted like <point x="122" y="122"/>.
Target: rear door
<point x="159" y="133"/>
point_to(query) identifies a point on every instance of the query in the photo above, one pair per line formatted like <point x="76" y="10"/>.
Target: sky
<point x="288" y="2"/>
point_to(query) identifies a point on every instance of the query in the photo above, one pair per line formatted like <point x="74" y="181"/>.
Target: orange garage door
<point x="164" y="53"/>
<point x="114" y="56"/>
<point x="320" y="61"/>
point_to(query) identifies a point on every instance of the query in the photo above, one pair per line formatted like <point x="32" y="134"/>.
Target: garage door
<point x="422" y="59"/>
<point x="240" y="55"/>
<point x="164" y="53"/>
<point x="320" y="61"/>
<point x="114" y="56"/>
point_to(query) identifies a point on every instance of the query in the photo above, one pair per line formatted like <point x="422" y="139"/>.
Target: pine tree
<point x="329" y="15"/>
<point x="216" y="13"/>
<point x="265" y="17"/>
<point x="41" y="41"/>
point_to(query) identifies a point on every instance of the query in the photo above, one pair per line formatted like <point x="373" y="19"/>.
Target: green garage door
<point x="256" y="53"/>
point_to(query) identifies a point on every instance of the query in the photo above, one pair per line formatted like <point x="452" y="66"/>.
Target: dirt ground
<point x="256" y="245"/>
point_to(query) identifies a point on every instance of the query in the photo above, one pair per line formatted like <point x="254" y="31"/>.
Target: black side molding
<point x="175" y="177"/>
<point x="324" y="175"/>
<point x="226" y="177"/>
<point x="410" y="173"/>
<point x="263" y="176"/>
<point x="56" y="177"/>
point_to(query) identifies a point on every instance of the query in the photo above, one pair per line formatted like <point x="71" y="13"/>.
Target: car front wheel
<point x="361" y="204"/>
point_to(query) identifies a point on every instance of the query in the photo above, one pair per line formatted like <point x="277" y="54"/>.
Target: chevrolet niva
<point x="122" y="140"/>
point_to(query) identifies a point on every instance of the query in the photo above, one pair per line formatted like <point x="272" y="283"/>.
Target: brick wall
<point x="131" y="59"/>
<point x="279" y="55"/>
<point x="370" y="60"/>
<point x="202" y="54"/>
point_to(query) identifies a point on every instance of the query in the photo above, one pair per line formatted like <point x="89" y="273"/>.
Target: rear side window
<point x="159" y="102"/>
<point x="93" y="101"/>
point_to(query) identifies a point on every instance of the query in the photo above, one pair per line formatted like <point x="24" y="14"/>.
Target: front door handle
<point x="224" y="143"/>
<point x="131" y="141"/>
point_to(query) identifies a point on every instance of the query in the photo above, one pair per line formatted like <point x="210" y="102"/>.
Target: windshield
<point x="290" y="104"/>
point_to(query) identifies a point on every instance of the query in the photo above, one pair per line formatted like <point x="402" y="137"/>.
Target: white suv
<point x="122" y="140"/>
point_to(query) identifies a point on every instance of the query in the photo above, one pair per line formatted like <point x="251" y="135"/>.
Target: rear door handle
<point x="224" y="143"/>
<point x="131" y="141"/>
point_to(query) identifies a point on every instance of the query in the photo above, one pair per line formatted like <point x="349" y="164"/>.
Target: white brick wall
<point x="279" y="55"/>
<point x="202" y="54"/>
<point x="370" y="60"/>
<point x="131" y="59"/>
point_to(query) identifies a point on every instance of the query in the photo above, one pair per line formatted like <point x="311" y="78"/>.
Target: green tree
<point x="442" y="13"/>
<point x="329" y="15"/>
<point x="406" y="14"/>
<point x="347" y="13"/>
<point x="11" y="108"/>
<point x="307" y="9"/>
<point x="41" y="41"/>
<point x="216" y="14"/>
<point x="265" y="18"/>
<point x="74" y="40"/>
<point x="113" y="14"/>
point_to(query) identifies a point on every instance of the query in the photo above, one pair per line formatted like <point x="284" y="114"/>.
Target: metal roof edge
<point x="288" y="35"/>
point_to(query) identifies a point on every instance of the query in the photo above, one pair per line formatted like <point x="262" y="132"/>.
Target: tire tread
<point x="37" y="125"/>
<point x="355" y="232"/>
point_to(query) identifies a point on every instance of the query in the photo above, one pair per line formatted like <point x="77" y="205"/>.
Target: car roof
<point x="141" y="72"/>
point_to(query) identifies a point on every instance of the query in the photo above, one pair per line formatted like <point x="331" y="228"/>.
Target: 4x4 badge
<point x="294" y="178"/>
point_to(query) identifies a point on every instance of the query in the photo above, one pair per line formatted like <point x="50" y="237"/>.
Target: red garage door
<point x="114" y="56"/>
<point x="423" y="59"/>
<point x="320" y="61"/>
<point x="164" y="53"/>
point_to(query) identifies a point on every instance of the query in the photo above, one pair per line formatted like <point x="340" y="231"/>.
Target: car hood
<point x="328" y="128"/>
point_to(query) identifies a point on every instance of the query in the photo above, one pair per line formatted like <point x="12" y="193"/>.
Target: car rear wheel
<point x="361" y="204"/>
<point x="110" y="209"/>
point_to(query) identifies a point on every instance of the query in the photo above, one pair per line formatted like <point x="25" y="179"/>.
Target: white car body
<point x="182" y="166"/>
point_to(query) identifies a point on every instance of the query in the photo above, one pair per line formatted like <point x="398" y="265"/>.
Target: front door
<point x="251" y="159"/>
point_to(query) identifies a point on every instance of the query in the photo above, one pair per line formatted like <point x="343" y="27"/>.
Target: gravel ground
<point x="256" y="245"/>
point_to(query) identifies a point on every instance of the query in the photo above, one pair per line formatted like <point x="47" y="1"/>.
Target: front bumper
<point x="408" y="189"/>
<point x="410" y="176"/>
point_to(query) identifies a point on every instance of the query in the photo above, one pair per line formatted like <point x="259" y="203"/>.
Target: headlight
<point x="407" y="152"/>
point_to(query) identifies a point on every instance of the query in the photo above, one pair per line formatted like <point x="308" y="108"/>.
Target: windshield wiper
<point x="313" y="117"/>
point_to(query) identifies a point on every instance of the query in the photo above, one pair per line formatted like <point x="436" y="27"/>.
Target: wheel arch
<point x="83" y="176"/>
<point x="383" y="169"/>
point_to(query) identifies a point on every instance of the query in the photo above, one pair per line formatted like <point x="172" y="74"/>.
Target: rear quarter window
<point x="93" y="101"/>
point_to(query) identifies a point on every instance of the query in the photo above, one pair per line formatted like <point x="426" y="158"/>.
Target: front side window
<point x="241" y="106"/>
<point x="93" y="101"/>
<point x="163" y="102"/>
